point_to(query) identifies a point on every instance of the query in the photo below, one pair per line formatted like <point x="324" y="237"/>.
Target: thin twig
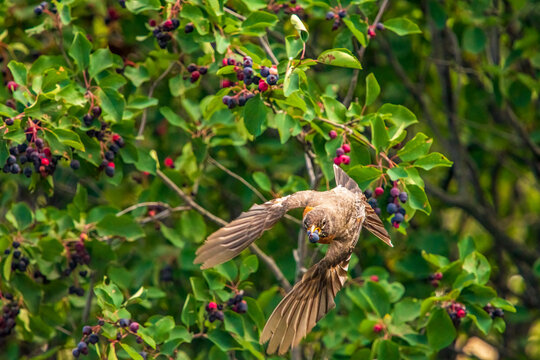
<point x="163" y="214"/>
<point x="234" y="13"/>
<point x="254" y="248"/>
<point x="150" y="93"/>
<point x="143" y="204"/>
<point x="88" y="305"/>
<point x="264" y="42"/>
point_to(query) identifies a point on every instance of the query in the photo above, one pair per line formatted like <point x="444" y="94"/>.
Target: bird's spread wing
<point x="309" y="300"/>
<point x="372" y="223"/>
<point x="231" y="239"/>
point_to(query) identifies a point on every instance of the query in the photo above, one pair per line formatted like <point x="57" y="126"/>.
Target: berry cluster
<point x="34" y="152"/>
<point x="236" y="304"/>
<point x="393" y="207"/>
<point x="10" y="311"/>
<point x="43" y="6"/>
<point x="196" y="71"/>
<point x="456" y="311"/>
<point x="114" y="143"/>
<point x="434" y="279"/>
<point x="336" y="15"/>
<point x="78" y="255"/>
<point x="289" y="9"/>
<point x="215" y="312"/>
<point x="493" y="311"/>
<point x="162" y="32"/>
<point x="19" y="262"/>
<point x="341" y="158"/>
<point x="371" y="29"/>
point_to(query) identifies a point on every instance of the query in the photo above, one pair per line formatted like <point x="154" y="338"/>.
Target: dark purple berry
<point x="9" y="121"/>
<point x="248" y="72"/>
<point x="248" y="62"/>
<point x="109" y="171"/>
<point x="11" y="160"/>
<point x="330" y="15"/>
<point x="272" y="79"/>
<point x="189" y="28"/>
<point x="336" y="24"/>
<point x="403" y="196"/>
<point x="191" y="68"/>
<point x="86" y="330"/>
<point x="203" y="70"/>
<point x="226" y="99"/>
<point x="75" y="164"/>
<point x="342" y="13"/>
<point x="402" y="211"/>
<point x="123" y="322"/>
<point x="27" y="172"/>
<point x="76" y="352"/>
<point x="391" y="208"/>
<point x="265" y="71"/>
<point x="394" y="192"/>
<point x="82" y="345"/>
<point x="93" y="339"/>
<point x="88" y="119"/>
<point x="398" y="218"/>
<point x="109" y="155"/>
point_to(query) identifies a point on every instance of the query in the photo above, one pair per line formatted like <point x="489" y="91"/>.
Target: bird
<point x="334" y="217"/>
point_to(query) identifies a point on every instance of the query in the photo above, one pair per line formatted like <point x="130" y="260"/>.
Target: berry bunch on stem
<point x="10" y="310"/>
<point x="456" y="311"/>
<point x="196" y="71"/>
<point x="336" y="14"/>
<point x="341" y="158"/>
<point x="163" y="31"/>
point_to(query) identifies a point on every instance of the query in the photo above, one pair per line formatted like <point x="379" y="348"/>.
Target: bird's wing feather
<point x="231" y="239"/>
<point x="309" y="301"/>
<point x="372" y="223"/>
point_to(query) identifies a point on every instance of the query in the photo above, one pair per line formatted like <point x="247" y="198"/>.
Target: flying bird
<point x="333" y="217"/>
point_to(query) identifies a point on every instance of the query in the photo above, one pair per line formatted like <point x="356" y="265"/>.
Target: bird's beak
<point x="313" y="234"/>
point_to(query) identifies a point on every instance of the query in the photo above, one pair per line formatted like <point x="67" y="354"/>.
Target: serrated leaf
<point x="339" y="57"/>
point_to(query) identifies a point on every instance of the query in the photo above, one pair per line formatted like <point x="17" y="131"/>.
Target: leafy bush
<point x="134" y="129"/>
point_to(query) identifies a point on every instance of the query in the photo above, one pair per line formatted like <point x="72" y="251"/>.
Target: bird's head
<point x="316" y="225"/>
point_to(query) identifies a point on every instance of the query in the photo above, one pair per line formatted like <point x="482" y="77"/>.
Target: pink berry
<point x="212" y="306"/>
<point x="111" y="164"/>
<point x="263" y="86"/>
<point x="461" y="313"/>
<point x="371" y="32"/>
<point x="12" y="86"/>
<point x="345" y="159"/>
<point x="168" y="24"/>
<point x="169" y="162"/>
<point x="395" y="224"/>
<point x="346" y="148"/>
<point x="45" y="161"/>
<point x="339" y="152"/>
<point x="332" y="134"/>
<point x="225" y="62"/>
<point x="377" y="328"/>
<point x="379" y="191"/>
<point x="134" y="326"/>
<point x="437" y="276"/>
<point x="226" y="83"/>
<point x="435" y="283"/>
<point x="394" y="192"/>
<point x="152" y="22"/>
<point x="374" y="278"/>
<point x="337" y="160"/>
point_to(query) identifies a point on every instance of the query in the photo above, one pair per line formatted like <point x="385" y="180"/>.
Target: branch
<point x="254" y="248"/>
<point x="143" y="204"/>
<point x="88" y="305"/>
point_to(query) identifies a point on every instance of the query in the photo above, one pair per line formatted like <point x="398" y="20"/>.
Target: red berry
<point x="134" y="326"/>
<point x="394" y="192"/>
<point x="374" y="278"/>
<point x="195" y="76"/>
<point x="152" y="22"/>
<point x="12" y="86"/>
<point x="212" y="306"/>
<point x="263" y="86"/>
<point x="437" y="276"/>
<point x="371" y="32"/>
<point x="337" y="160"/>
<point x="44" y="161"/>
<point x="339" y="152"/>
<point x="461" y="313"/>
<point x="111" y="164"/>
<point x="395" y="224"/>
<point x="169" y="162"/>
<point x="377" y="328"/>
<point x="346" y="148"/>
<point x="434" y="283"/>
<point x="345" y="159"/>
<point x="225" y="62"/>
<point x="379" y="191"/>
<point x="332" y="134"/>
<point x="226" y="83"/>
<point x="168" y="24"/>
<point x="47" y="152"/>
<point x="116" y="137"/>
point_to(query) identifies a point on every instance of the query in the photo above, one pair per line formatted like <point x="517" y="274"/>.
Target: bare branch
<point x="143" y="204"/>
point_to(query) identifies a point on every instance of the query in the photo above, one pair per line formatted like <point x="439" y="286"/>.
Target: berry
<point x="226" y="83"/>
<point x="345" y="159"/>
<point x="395" y="224"/>
<point x="438" y="276"/>
<point x="374" y="278"/>
<point x="242" y="307"/>
<point x="263" y="86"/>
<point x="11" y="160"/>
<point x="377" y="328"/>
<point x="82" y="345"/>
<point x="189" y="28"/>
<point x="139" y="340"/>
<point x="191" y="68"/>
<point x="373" y="202"/>
<point x="96" y="111"/>
<point x="109" y="155"/>
<point x="175" y="23"/>
<point x="232" y="102"/>
<point x="342" y="13"/>
<point x="7" y="252"/>
<point x="143" y="355"/>
<point x="394" y="192"/>
<point x="169" y="162"/>
<point x="88" y="119"/>
<point x="498" y="313"/>
<point x="403" y="196"/>
<point x="109" y="171"/>
<point x="272" y="79"/>
<point x="368" y="193"/>
<point x="12" y="86"/>
<point x="231" y="61"/>
<point x="123" y="323"/>
<point x="248" y="72"/>
<point x="83" y="273"/>
<point x="461" y="313"/>
<point x="27" y="172"/>
<point x="225" y="100"/>
<point x="248" y="62"/>
<point x="86" y="330"/>
<point x="45" y="161"/>
<point x="273" y="70"/>
<point x="346" y="148"/>
<point x="219" y="315"/>
<point x="16" y="254"/>
<point x="203" y="70"/>
<point x="195" y="76"/>
<point x="75" y="164"/>
<point x="264" y="71"/>
<point x="337" y="160"/>
<point x="152" y="22"/>
<point x="242" y="99"/>
<point x="332" y="134"/>
<point x="114" y="148"/>
<point x="398" y="217"/>
<point x="402" y="211"/>
<point x="434" y="283"/>
<point x="391" y="208"/>
<point x="93" y="339"/>
<point x="168" y="25"/>
<point x="38" y="10"/>
<point x="380" y="26"/>
<point x="339" y="152"/>
<point x="379" y="191"/>
<point x="211" y="306"/>
<point x="330" y="15"/>
<point x="336" y="24"/>
<point x="76" y="353"/>
<point x="371" y="32"/>
<point x="9" y="121"/>
<point x="134" y="327"/>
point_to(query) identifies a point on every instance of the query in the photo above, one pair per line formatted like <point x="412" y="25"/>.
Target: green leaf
<point x="100" y="60"/>
<point x="415" y="148"/>
<point x="122" y="226"/>
<point x="432" y="160"/>
<point x="364" y="175"/>
<point x="200" y="291"/>
<point x="339" y="57"/>
<point x="300" y="27"/>
<point x="377" y="298"/>
<point x="418" y="199"/>
<point x="400" y="116"/>
<point x="173" y="236"/>
<point x="478" y="294"/>
<point x="259" y="19"/>
<point x="248" y="266"/>
<point x="137" y="75"/>
<point x="434" y="259"/>
<point x="18" y="70"/>
<point x="293" y="46"/>
<point x="138" y="6"/>
<point x="228" y="270"/>
<point x="477" y="264"/>
<point x="69" y="138"/>
<point x="20" y="216"/>
<point x="407" y="310"/>
<point x="388" y="350"/>
<point x="131" y="351"/>
<point x="334" y="109"/>
<point x="480" y="317"/>
<point x="173" y="118"/>
<point x="402" y="26"/>
<point x="6" y="270"/>
<point x="474" y="40"/>
<point x="255" y="113"/>
<point x="440" y="330"/>
<point x="465" y="246"/>
<point x="80" y="50"/>
<point x="379" y="134"/>
<point x="358" y="28"/>
<point x="262" y="181"/>
<point x="372" y="89"/>
<point x="113" y="104"/>
<point x="189" y="311"/>
<point x="397" y="172"/>
<point x="223" y="340"/>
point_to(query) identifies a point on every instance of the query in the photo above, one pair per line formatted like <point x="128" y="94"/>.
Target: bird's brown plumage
<point x="344" y="210"/>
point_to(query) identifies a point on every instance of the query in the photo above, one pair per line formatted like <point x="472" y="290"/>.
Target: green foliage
<point x="118" y="200"/>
